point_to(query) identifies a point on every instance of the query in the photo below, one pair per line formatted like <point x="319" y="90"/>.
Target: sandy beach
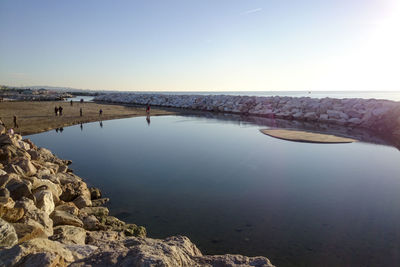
<point x="35" y="117"/>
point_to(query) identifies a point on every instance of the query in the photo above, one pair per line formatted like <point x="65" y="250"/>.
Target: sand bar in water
<point x="308" y="137"/>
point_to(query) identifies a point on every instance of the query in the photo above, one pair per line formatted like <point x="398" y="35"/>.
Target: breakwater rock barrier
<point x="382" y="116"/>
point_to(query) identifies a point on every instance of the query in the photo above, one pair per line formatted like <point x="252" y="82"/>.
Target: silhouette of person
<point x="2" y="123"/>
<point x="81" y="127"/>
<point x="71" y="103"/>
<point x="60" y="109"/>
<point x="100" y="112"/>
<point x="61" y="129"/>
<point x="101" y="124"/>
<point x="15" y="122"/>
<point x="56" y="110"/>
<point x="148" y="120"/>
<point x="148" y="109"/>
<point x="80" y="111"/>
<point x="56" y="130"/>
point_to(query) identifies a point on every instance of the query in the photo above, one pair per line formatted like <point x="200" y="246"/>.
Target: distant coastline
<point x="340" y="94"/>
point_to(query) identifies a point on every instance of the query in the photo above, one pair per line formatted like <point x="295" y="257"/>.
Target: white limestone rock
<point x="8" y="236"/>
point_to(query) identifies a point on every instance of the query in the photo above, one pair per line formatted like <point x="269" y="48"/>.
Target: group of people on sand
<point x="58" y="110"/>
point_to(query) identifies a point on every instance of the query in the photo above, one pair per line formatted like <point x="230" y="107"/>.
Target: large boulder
<point x="44" y="252"/>
<point x="100" y="212"/>
<point x="134" y="230"/>
<point x="170" y="252"/>
<point x="95" y="193"/>
<point x="82" y="201"/>
<point x="4" y="179"/>
<point x="53" y="187"/>
<point x="27" y="232"/>
<point x="8" y="139"/>
<point x="31" y="144"/>
<point x="44" y="154"/>
<point x="91" y="223"/>
<point x="74" y="190"/>
<point x="67" y="178"/>
<point x="44" y="200"/>
<point x="27" y="167"/>
<point x="64" y="218"/>
<point x="19" y="189"/>
<point x="8" y="236"/>
<point x="68" y="234"/>
<point x="114" y="223"/>
<point x="63" y="168"/>
<point x="14" y="169"/>
<point x="8" y="211"/>
<point x="100" y="202"/>
<point x="34" y="216"/>
<point x="69" y="207"/>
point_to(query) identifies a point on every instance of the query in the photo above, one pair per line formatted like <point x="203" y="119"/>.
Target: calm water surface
<point x="232" y="189"/>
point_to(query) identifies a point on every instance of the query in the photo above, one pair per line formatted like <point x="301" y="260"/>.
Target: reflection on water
<point x="232" y="189"/>
<point x="148" y="120"/>
<point x="79" y="98"/>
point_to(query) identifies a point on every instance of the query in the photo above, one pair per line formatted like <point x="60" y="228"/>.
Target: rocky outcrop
<point x="49" y="217"/>
<point x="382" y="116"/>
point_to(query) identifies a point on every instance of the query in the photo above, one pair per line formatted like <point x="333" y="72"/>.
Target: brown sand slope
<point x="35" y="117"/>
<point x="301" y="136"/>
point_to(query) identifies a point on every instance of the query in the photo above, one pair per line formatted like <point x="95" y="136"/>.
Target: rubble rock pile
<point x="379" y="115"/>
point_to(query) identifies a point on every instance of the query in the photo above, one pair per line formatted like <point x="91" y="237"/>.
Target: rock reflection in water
<point x="361" y="134"/>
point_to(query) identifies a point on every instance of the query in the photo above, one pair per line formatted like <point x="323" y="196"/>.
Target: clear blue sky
<point x="201" y="44"/>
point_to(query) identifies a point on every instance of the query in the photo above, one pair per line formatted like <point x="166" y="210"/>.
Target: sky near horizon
<point x="201" y="45"/>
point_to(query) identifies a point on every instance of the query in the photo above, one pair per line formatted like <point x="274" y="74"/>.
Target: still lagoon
<point x="232" y="189"/>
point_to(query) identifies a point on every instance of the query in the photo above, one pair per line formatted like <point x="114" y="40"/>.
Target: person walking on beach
<point x="148" y="109"/>
<point x="15" y="122"/>
<point x="80" y="111"/>
<point x="56" y="110"/>
<point x="60" y="109"/>
<point x="100" y="112"/>
<point x="71" y="103"/>
<point x="2" y="123"/>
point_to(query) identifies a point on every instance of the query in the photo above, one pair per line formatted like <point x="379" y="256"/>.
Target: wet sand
<point x="35" y="117"/>
<point x="307" y="137"/>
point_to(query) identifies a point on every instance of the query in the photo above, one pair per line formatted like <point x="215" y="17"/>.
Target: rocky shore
<point x="381" y="116"/>
<point x="49" y="217"/>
